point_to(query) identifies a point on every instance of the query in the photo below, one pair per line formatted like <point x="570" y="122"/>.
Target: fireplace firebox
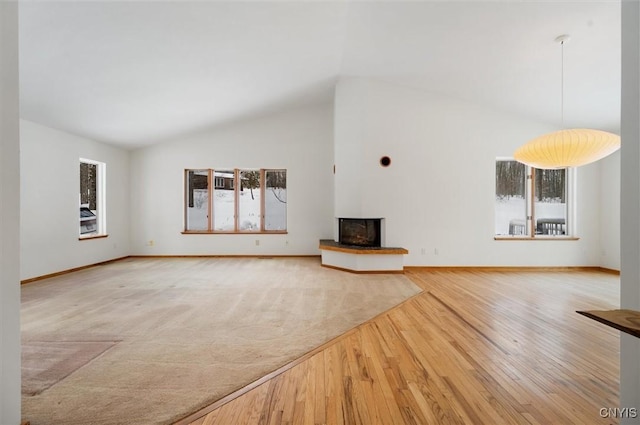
<point x="360" y="232"/>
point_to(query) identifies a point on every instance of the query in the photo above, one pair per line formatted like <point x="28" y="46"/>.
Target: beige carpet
<point x="149" y="341"/>
<point x="45" y="363"/>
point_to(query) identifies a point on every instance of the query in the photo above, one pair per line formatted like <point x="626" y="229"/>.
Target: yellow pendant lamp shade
<point x="567" y="148"/>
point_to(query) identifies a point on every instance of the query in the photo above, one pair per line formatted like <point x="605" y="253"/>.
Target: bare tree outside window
<point x="250" y="218"/>
<point x="275" y="204"/>
<point x="89" y="185"/>
<point x="92" y="198"/>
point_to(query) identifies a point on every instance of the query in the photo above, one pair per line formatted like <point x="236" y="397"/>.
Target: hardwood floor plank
<point x="271" y="408"/>
<point x="293" y="383"/>
<point x="319" y="403"/>
<point x="334" y="378"/>
<point x="305" y="411"/>
<point x="210" y="419"/>
<point x="251" y="406"/>
<point x="384" y="398"/>
<point x="201" y="421"/>
<point x="361" y="381"/>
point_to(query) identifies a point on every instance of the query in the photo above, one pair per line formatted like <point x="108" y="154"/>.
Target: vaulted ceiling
<point x="134" y="74"/>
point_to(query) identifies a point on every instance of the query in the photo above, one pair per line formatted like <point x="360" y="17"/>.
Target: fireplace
<point x="360" y="231"/>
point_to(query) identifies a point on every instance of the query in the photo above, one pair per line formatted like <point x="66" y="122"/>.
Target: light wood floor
<point x="475" y="347"/>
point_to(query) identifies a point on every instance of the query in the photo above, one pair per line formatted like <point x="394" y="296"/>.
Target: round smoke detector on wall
<point x="385" y="161"/>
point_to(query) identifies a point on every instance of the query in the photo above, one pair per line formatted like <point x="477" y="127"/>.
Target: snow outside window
<point x="531" y="202"/>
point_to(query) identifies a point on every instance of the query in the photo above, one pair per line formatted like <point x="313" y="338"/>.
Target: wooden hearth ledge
<point x="332" y="245"/>
<point x="627" y="321"/>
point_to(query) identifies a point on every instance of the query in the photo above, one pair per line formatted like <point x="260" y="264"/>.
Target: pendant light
<point x="567" y="148"/>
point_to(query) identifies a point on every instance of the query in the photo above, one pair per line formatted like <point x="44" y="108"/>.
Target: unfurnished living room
<point x="309" y="212"/>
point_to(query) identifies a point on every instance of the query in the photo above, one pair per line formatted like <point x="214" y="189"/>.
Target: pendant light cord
<point x="562" y="39"/>
<point x="562" y="84"/>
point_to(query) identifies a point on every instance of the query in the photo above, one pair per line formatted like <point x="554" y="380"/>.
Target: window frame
<point x="236" y="188"/>
<point x="530" y="217"/>
<point x="101" y="202"/>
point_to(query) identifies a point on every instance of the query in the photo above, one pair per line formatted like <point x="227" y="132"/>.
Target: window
<point x="224" y="202"/>
<point x="198" y="199"/>
<point x="92" y="198"/>
<point x="531" y="202"/>
<point x="239" y="201"/>
<point x="275" y="203"/>
<point x="249" y="202"/>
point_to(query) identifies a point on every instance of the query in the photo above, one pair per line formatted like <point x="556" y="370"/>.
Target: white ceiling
<point x="134" y="74"/>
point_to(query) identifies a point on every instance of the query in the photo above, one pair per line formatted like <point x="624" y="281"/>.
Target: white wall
<point x="438" y="193"/>
<point x="610" y="212"/>
<point x="49" y="208"/>
<point x="9" y="217"/>
<point x="630" y="204"/>
<point x="299" y="140"/>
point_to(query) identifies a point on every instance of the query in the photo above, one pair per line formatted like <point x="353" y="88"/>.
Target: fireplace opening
<point x="360" y="232"/>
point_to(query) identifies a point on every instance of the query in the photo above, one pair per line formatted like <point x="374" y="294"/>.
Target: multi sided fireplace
<point x="365" y="232"/>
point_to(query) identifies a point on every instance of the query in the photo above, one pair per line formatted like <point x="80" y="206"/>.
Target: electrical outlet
<point x="257" y="242"/>
<point x="151" y="242"/>
<point x="423" y="251"/>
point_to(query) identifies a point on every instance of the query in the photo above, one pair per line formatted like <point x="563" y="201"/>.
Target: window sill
<point x="84" y="238"/>
<point x="205" y="232"/>
<point x="537" y="238"/>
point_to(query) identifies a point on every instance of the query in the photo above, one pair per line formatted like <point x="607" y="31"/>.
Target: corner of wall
<point x="10" y="397"/>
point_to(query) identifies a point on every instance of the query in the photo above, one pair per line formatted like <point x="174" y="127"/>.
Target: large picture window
<point x="236" y="201"/>
<point x="92" y="198"/>
<point x="531" y="202"/>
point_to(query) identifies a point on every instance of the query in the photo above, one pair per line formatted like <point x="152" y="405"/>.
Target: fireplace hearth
<point x="365" y="232"/>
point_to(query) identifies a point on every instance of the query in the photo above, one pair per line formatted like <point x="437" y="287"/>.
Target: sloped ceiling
<point x="134" y="74"/>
